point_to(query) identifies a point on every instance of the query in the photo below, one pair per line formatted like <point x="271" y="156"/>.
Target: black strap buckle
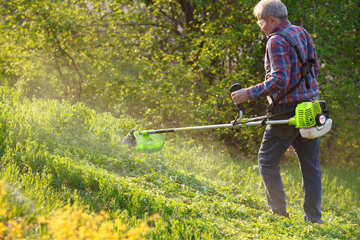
<point x="306" y="69"/>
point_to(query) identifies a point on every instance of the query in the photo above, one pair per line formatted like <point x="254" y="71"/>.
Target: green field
<point x="54" y="154"/>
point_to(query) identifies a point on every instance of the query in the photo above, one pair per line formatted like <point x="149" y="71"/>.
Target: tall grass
<point x="55" y="154"/>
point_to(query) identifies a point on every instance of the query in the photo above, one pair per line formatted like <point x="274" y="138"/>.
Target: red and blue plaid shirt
<point x="283" y="67"/>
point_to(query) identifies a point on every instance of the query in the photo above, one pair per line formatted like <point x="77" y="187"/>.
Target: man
<point x="285" y="86"/>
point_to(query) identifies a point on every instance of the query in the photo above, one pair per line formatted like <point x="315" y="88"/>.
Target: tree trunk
<point x="188" y="10"/>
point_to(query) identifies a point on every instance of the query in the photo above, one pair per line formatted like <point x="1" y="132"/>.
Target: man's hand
<point x="239" y="96"/>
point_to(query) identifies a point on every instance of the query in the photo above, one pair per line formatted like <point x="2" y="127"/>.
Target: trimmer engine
<point x="312" y="119"/>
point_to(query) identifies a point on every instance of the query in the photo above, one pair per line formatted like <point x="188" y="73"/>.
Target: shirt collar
<point x="281" y="26"/>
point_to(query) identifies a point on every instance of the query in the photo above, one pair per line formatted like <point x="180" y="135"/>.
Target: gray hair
<point x="267" y="8"/>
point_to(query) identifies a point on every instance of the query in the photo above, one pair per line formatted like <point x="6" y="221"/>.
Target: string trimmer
<point x="311" y="118"/>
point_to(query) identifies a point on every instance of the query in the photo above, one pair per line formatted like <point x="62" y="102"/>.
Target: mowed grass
<point x="56" y="154"/>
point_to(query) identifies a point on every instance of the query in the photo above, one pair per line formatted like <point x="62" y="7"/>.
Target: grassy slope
<point x="55" y="153"/>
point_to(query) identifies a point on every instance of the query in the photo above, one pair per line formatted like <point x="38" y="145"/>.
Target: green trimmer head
<point x="144" y="141"/>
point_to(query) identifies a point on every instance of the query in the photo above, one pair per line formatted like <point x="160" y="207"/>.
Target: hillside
<point x="55" y="154"/>
<point x="77" y="76"/>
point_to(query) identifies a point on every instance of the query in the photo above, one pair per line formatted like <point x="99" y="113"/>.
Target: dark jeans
<point x="271" y="150"/>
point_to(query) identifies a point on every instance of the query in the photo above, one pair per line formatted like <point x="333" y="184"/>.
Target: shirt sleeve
<point x="277" y="78"/>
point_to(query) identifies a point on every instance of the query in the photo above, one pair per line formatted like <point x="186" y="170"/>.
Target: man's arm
<point x="278" y="51"/>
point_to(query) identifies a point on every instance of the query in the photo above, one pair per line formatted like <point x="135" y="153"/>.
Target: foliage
<point x="172" y="62"/>
<point x="68" y="223"/>
<point x="67" y="161"/>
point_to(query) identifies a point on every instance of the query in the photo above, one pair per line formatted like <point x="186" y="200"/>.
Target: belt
<point x="283" y="110"/>
<point x="284" y="107"/>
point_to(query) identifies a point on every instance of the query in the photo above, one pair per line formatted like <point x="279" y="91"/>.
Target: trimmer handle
<point x="233" y="88"/>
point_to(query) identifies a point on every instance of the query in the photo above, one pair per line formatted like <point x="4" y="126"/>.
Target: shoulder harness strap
<point x="306" y="67"/>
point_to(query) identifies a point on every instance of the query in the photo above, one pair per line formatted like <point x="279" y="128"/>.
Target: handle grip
<point x="233" y="88"/>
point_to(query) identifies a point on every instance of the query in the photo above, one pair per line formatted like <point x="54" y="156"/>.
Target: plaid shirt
<point x="282" y="67"/>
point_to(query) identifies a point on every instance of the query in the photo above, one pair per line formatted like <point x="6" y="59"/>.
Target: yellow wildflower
<point x="42" y="219"/>
<point x="3" y="212"/>
<point x="15" y="230"/>
<point x="2" y="229"/>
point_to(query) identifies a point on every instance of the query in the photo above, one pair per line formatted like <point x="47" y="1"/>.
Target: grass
<point x="55" y="154"/>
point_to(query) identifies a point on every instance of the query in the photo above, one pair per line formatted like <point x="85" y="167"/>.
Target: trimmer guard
<point x="148" y="142"/>
<point x="315" y="132"/>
